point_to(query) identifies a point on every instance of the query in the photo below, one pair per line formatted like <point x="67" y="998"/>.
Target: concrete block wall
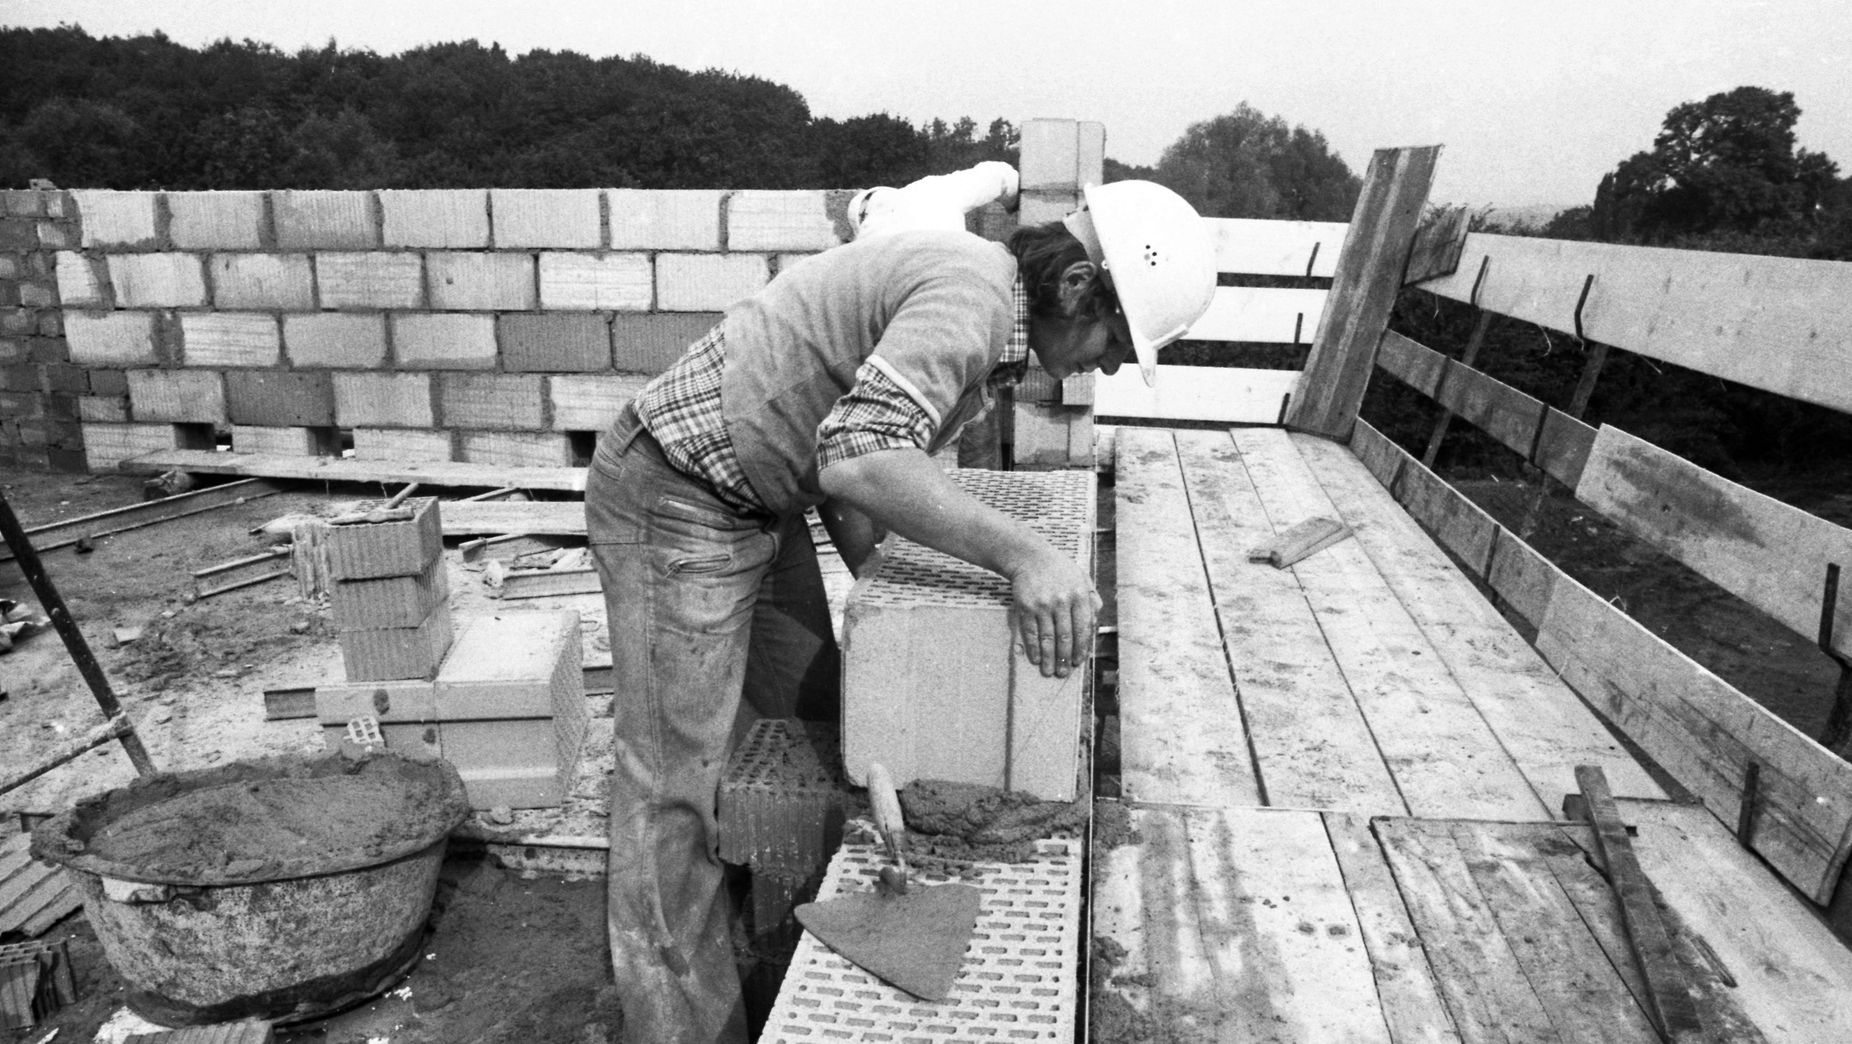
<point x="275" y="321"/>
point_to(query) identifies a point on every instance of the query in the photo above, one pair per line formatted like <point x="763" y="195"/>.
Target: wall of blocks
<point x="499" y="326"/>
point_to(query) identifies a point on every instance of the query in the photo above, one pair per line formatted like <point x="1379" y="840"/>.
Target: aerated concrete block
<point x="117" y="219"/>
<point x="588" y="282"/>
<point x="335" y="340"/>
<point x="375" y="279"/>
<point x="106" y="445"/>
<point x="83" y="281"/>
<point x="590" y="402"/>
<point x="652" y="343"/>
<point x="492" y="401"/>
<point x="389" y="601"/>
<point x="933" y="684"/>
<point x="466" y="281"/>
<point x="556" y="218"/>
<point x="283" y="442"/>
<point x="410" y="701"/>
<point x="281" y="281"/>
<point x="708" y="282"/>
<point x="665" y="219"/>
<point x="231" y="339"/>
<point x="403" y="445"/>
<point x="444" y="341"/>
<point x="280" y="397"/>
<point x="216" y="220"/>
<point x="325" y="220"/>
<point x="779" y="220"/>
<point x="158" y="280"/>
<point x="454" y="218"/>
<point x="369" y="550"/>
<point x="384" y="400"/>
<point x="522" y="449"/>
<point x="178" y="396"/>
<point x="394" y="653"/>
<point x="563" y="342"/>
<point x="511" y="707"/>
<point x="412" y="739"/>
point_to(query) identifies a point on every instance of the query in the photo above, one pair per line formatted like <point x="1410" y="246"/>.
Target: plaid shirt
<point x="681" y="408"/>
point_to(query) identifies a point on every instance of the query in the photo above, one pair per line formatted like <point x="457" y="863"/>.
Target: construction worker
<point x="829" y="388"/>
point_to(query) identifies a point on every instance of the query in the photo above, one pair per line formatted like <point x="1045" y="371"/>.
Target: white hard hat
<point x="1160" y="257"/>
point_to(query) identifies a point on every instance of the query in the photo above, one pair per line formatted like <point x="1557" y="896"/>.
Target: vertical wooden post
<point x="1369" y="274"/>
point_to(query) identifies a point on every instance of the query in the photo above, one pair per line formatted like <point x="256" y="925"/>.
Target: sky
<point x="1532" y="102"/>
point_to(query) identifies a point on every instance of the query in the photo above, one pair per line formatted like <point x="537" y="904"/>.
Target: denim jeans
<point x="706" y="604"/>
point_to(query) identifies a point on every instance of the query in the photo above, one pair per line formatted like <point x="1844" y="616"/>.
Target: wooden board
<point x="1546" y="729"/>
<point x="1232" y="395"/>
<point x="1769" y="554"/>
<point x="1769" y="322"/>
<point x="330" y="469"/>
<point x="1404" y="979"/>
<point x="1311" y="744"/>
<point x="1261" y="315"/>
<point x="537" y="517"/>
<point x="1230" y="924"/>
<point x="1182" y="739"/>
<point x="1257" y="246"/>
<point x="1445" y="758"/>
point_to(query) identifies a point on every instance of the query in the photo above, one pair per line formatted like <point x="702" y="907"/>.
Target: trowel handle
<point x="886" y="807"/>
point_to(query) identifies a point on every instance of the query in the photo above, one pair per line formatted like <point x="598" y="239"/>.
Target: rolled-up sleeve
<point x="878" y="413"/>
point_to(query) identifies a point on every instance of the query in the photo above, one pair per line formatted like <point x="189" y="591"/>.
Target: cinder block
<point x="414" y="740"/>
<point x="707" y="282"/>
<point x="933" y="686"/>
<point x="523" y="664"/>
<point x="111" y="338"/>
<point x="370" y="280"/>
<point x="282" y="281"/>
<point x="444" y="341"/>
<point x="452" y="218"/>
<point x="394" y="653"/>
<point x="556" y="218"/>
<point x="389" y="601"/>
<point x="784" y="799"/>
<point x="587" y="282"/>
<point x="665" y="219"/>
<point x="523" y="449"/>
<point x="384" y="400"/>
<point x="554" y="343"/>
<point x="83" y="281"/>
<point x="407" y="701"/>
<point x="117" y="219"/>
<point x="370" y="550"/>
<point x="106" y="445"/>
<point x="340" y="340"/>
<point x="469" y="281"/>
<point x="178" y="396"/>
<point x="779" y="220"/>
<point x="651" y="343"/>
<point x="590" y="402"/>
<point x="489" y="787"/>
<point x="216" y="220"/>
<point x="230" y="339"/>
<point x="103" y="409"/>
<point x="158" y="280"/>
<point x="495" y="401"/>
<point x="406" y="445"/>
<point x="282" y="442"/>
<point x="325" y="220"/>
<point x="280" y="397"/>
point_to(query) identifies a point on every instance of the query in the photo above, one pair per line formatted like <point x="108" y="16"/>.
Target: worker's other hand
<point x="1056" y="611"/>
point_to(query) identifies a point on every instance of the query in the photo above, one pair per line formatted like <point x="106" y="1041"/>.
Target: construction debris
<point x="242" y="572"/>
<point x="1299" y="542"/>
<point x="35" y="980"/>
<point x="252" y="1031"/>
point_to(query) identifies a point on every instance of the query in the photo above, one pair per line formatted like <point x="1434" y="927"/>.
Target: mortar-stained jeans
<point x="705" y="603"/>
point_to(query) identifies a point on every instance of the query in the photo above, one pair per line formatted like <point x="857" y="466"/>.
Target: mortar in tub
<point x="284" y="888"/>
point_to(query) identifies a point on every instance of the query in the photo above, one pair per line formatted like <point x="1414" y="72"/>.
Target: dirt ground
<point x="519" y="955"/>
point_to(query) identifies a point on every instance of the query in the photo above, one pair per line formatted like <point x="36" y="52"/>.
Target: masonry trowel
<point x="909" y="935"/>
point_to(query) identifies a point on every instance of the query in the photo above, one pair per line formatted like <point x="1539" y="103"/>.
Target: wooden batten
<point x="1369" y="274"/>
<point x="328" y="469"/>
<point x="1772" y="323"/>
<point x="1232" y="395"/>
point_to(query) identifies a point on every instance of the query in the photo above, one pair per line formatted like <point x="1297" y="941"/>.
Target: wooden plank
<point x="1771" y="555"/>
<point x="1232" y="395"/>
<point x="289" y="704"/>
<point x="1260" y="246"/>
<point x="134" y="516"/>
<point x="1479" y="976"/>
<point x="540" y="583"/>
<point x="1363" y="290"/>
<point x="241" y="572"/>
<point x="1411" y="1001"/>
<point x="1235" y="925"/>
<point x="1444" y="757"/>
<point x="1182" y="739"/>
<point x="1540" y="722"/>
<point x="1668" y="997"/>
<point x="1696" y="726"/>
<point x="1260" y="315"/>
<point x="533" y="518"/>
<point x="1584" y="993"/>
<point x="1773" y="323"/>
<point x="1311" y="744"/>
<point x="1438" y="242"/>
<point x="328" y="469"/>
<point x="1793" y="976"/>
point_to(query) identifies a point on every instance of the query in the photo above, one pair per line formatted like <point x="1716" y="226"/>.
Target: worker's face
<point x="1090" y="335"/>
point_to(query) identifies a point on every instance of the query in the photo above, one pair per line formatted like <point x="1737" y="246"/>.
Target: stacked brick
<point x="934" y="686"/>
<point x="41" y="390"/>
<point x="500" y="697"/>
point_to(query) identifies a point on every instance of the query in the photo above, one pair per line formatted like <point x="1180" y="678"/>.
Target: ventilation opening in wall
<point x="198" y="436"/>
<point x="582" y="444"/>
<point x="343" y="442"/>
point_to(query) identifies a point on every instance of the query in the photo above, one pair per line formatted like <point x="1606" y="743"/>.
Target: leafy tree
<point x="1247" y="164"/>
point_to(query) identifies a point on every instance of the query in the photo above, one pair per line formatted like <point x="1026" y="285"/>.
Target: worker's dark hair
<point x="1043" y="252"/>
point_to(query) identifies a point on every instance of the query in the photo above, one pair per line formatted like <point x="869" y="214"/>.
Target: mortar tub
<point x="284" y="888"/>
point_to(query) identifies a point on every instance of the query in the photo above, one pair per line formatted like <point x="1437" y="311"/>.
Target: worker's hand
<point x="1056" y="610"/>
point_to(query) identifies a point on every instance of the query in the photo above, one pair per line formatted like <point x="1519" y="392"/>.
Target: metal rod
<point x="117" y="727"/>
<point x="54" y="607"/>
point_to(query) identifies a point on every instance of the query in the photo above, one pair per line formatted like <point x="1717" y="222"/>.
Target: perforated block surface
<point x="784" y="799"/>
<point x="1018" y="981"/>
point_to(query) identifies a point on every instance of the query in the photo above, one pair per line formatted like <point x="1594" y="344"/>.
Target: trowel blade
<point x="914" y="941"/>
